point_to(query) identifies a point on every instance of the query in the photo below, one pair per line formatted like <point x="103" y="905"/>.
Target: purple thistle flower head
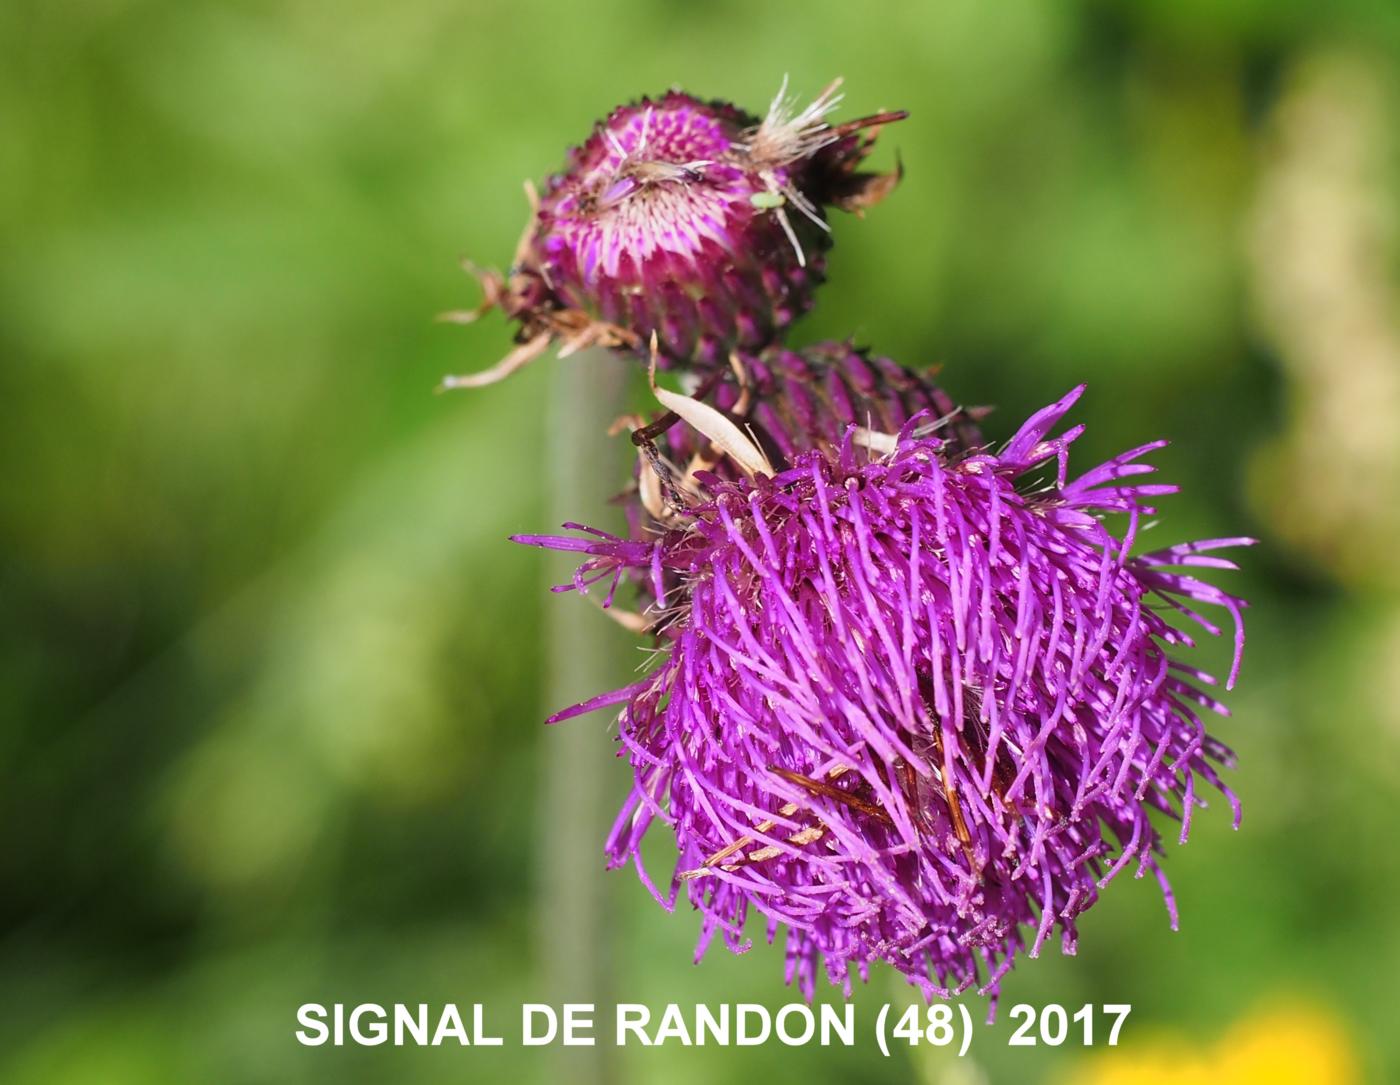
<point x="691" y="220"/>
<point x="912" y="707"/>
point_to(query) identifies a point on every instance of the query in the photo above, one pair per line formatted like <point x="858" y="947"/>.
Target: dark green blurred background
<point x="271" y="680"/>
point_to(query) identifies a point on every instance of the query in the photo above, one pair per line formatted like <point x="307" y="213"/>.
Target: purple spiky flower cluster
<point x="911" y="707"/>
<point x="914" y="697"/>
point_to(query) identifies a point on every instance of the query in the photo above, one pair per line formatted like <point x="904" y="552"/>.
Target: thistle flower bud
<point x="690" y="220"/>
<point x="914" y="709"/>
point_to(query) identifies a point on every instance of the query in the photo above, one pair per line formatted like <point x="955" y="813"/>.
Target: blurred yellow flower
<point x="1298" y="1044"/>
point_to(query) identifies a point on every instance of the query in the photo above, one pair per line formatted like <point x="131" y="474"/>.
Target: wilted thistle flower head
<point x="689" y="219"/>
<point x="915" y="707"/>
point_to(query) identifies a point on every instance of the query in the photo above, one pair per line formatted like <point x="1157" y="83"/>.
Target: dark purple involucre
<point x="913" y="707"/>
<point x="793" y="401"/>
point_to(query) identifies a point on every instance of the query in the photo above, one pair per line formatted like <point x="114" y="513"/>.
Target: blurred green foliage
<point x="269" y="673"/>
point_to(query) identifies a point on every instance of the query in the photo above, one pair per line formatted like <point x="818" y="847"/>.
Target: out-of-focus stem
<point x="1324" y="254"/>
<point x="574" y="811"/>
